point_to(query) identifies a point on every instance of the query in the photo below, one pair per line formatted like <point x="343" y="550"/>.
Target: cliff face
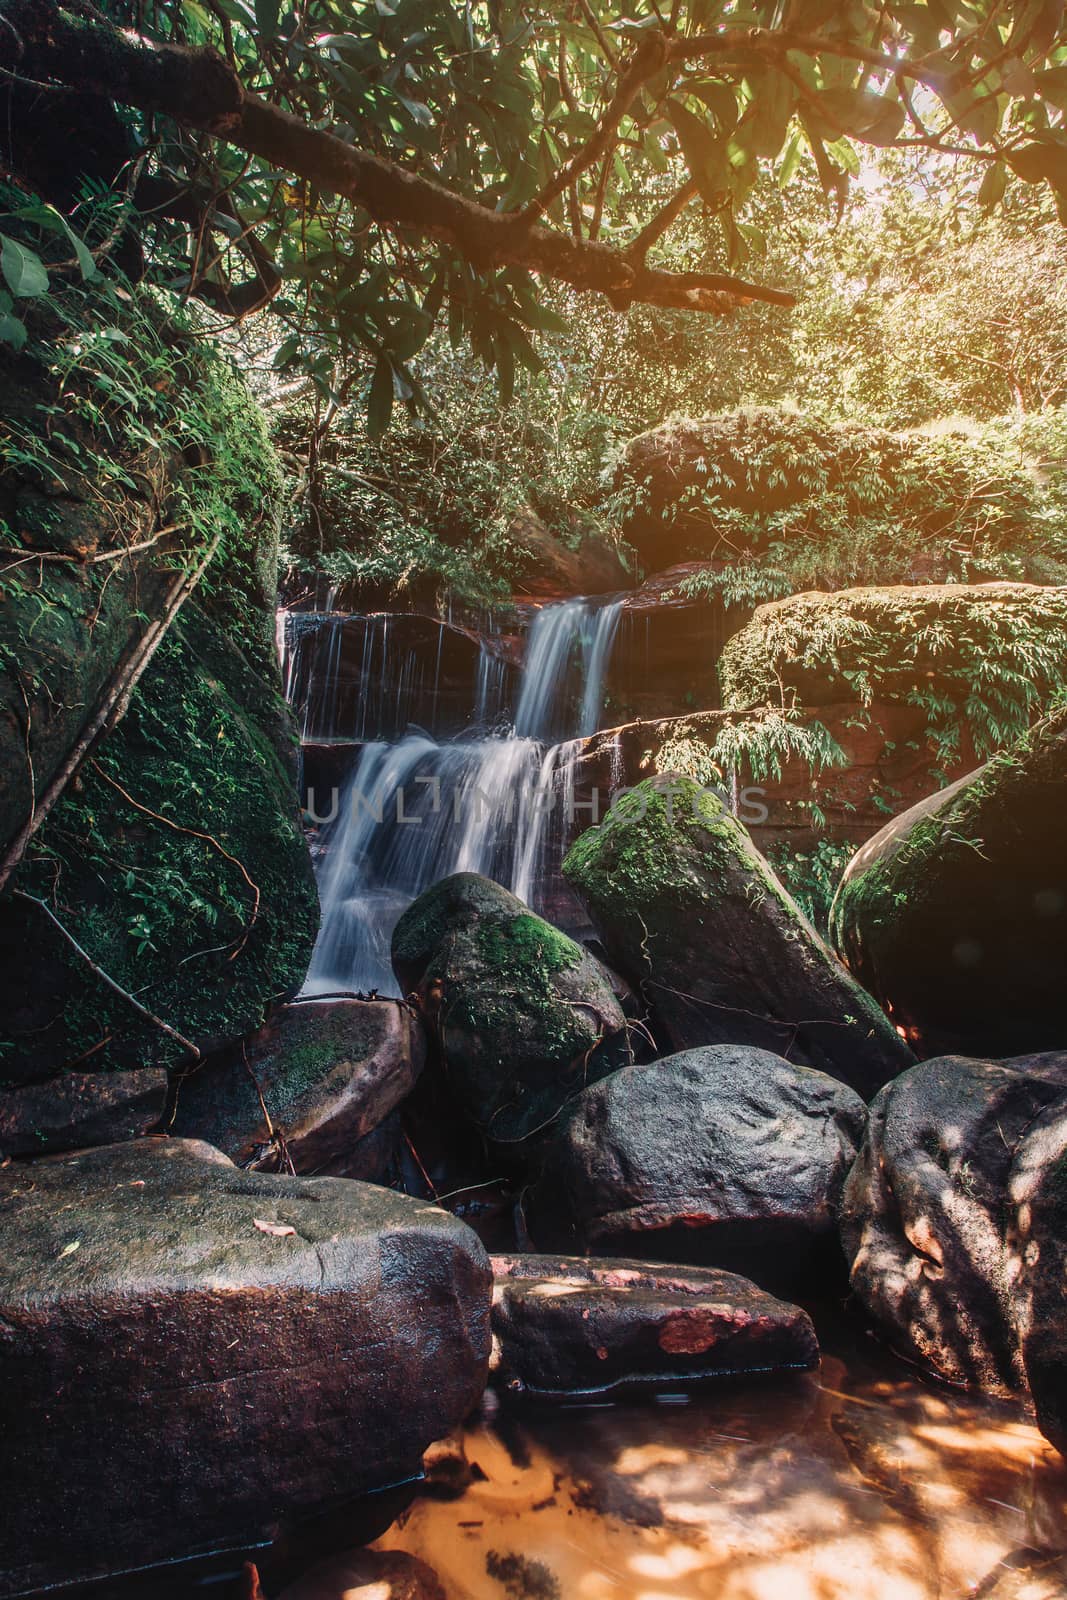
<point x="147" y="798"/>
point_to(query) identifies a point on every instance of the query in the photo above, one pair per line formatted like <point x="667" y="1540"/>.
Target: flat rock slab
<point x="567" y="1325"/>
<point x="78" y="1109"/>
<point x="327" y="1073"/>
<point x="192" y="1356"/>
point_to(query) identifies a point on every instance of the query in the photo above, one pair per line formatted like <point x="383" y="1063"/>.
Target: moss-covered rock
<point x="691" y="912"/>
<point x="955" y="914"/>
<point x="133" y="459"/>
<point x="524" y="1017"/>
<point x="825" y="503"/>
<point x="307" y="1091"/>
<point x="982" y="659"/>
<point x="178" y="863"/>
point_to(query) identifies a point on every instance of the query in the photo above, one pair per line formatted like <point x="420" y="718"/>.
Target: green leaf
<point x="12" y="330"/>
<point x="267" y="14"/>
<point x="704" y="155"/>
<point x="992" y="186"/>
<point x="380" y="400"/>
<point x="23" y="271"/>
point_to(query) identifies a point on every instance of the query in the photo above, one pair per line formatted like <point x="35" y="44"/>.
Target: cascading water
<point x="415" y="810"/>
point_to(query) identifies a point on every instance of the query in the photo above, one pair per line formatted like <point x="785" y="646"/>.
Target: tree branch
<point x="198" y="89"/>
<point x="645" y="64"/>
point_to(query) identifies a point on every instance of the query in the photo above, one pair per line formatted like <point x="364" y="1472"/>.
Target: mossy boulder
<point x="694" y="917"/>
<point x="523" y="1017"/>
<point x="983" y="659"/>
<point x="174" y="855"/>
<point x="746" y="480"/>
<point x="955" y="915"/>
<point x="178" y="863"/>
<point x="308" y="1089"/>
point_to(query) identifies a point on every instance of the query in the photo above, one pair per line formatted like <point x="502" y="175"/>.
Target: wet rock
<point x="1038" y="1192"/>
<point x="693" y="915"/>
<point x="521" y="1014"/>
<point x="955" y="915"/>
<point x="546" y="566"/>
<point x="78" y="1109"/>
<point x="367" y="1575"/>
<point x="202" y="1354"/>
<point x="725" y="1155"/>
<point x="326" y="1073"/>
<point x="564" y="1325"/>
<point x="926" y="1210"/>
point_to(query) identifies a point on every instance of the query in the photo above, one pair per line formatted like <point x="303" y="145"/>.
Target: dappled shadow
<point x="863" y="1483"/>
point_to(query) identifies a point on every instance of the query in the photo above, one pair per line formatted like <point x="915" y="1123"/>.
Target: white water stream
<point x="415" y="810"/>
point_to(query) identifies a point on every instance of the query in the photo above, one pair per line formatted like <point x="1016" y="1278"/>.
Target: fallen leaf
<point x="277" y="1230"/>
<point x="69" y="1249"/>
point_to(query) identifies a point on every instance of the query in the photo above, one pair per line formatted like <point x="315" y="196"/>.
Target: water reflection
<point x="859" y="1484"/>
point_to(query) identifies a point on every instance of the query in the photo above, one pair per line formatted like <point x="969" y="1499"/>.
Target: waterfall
<point x="415" y="809"/>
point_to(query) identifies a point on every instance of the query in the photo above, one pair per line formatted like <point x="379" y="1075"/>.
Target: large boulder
<point x="710" y="487"/>
<point x="955" y="914"/>
<point x="926" y="1214"/>
<point x="877" y="645"/>
<point x="193" y="1355"/>
<point x="1038" y="1193"/>
<point x="307" y="1089"/>
<point x="725" y="1155"/>
<point x="173" y="862"/>
<point x="522" y="1015"/>
<point x="691" y="913"/>
<point x="565" y="1326"/>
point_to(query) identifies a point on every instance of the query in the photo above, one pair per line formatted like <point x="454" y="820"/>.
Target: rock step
<point x="568" y="1325"/>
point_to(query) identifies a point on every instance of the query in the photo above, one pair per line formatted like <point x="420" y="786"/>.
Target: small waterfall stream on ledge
<point x="494" y="799"/>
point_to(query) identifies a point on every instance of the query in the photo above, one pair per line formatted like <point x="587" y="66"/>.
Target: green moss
<point x="951" y="830"/>
<point x="161" y="908"/>
<point x="985" y="660"/>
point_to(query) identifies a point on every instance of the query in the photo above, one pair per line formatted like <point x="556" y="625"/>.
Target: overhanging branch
<point x="197" y="88"/>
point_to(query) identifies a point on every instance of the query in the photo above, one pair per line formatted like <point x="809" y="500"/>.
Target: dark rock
<point x="78" y="1109"/>
<point x="546" y="566"/>
<point x="522" y="1014"/>
<point x="327" y="1073"/>
<point x="563" y="1325"/>
<point x="194" y="1355"/>
<point x="955" y="915"/>
<point x="369" y="677"/>
<point x="725" y="1155"/>
<point x="1038" y="1193"/>
<point x="693" y="915"/>
<point x="367" y="1575"/>
<point x="925" y="1213"/>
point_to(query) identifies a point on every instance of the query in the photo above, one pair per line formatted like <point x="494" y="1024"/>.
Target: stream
<point x="862" y="1482"/>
